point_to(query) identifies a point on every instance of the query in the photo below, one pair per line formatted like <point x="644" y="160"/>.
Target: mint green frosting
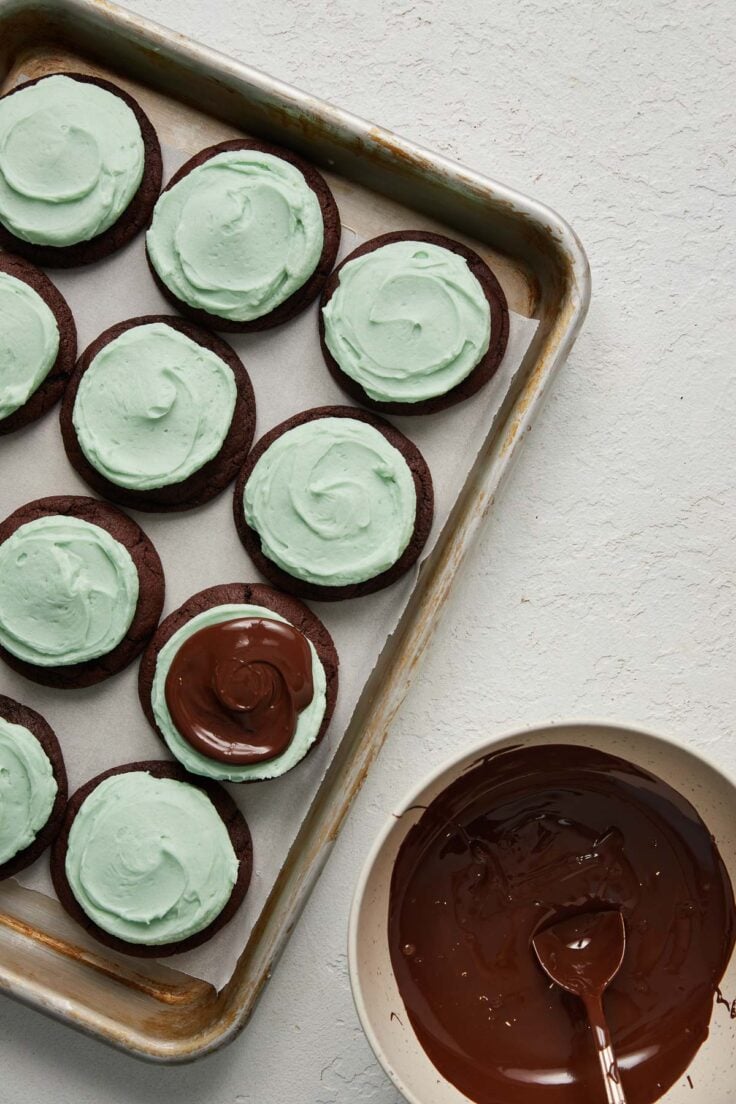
<point x="237" y="235"/>
<point x="27" y="788"/>
<point x="71" y="160"/>
<point x="308" y="725"/>
<point x="333" y="502"/>
<point x="153" y="407"/>
<point x="408" y="321"/>
<point x="29" y="342"/>
<point x="68" y="591"/>
<point x="150" y="859"/>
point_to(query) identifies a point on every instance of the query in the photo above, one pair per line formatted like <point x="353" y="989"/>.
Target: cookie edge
<point x="483" y="371"/>
<point x="17" y="713"/>
<point x="310" y="289"/>
<point x="227" y="810"/>
<point x="53" y="386"/>
<point x="129" y="223"/>
<point x="151" y="589"/>
<point x="208" y="481"/>
<point x="422" y="523"/>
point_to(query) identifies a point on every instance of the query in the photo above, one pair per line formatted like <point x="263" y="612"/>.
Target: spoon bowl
<point x="711" y="788"/>
<point x="582" y="954"/>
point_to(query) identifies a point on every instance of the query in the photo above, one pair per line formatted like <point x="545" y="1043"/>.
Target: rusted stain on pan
<point x="146" y="1013"/>
<point x="526" y="399"/>
<point x="194" y="991"/>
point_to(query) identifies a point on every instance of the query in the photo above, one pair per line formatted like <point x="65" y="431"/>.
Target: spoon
<point x="582" y="954"/>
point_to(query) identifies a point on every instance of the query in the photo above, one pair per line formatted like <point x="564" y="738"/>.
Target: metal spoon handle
<point x="606" y="1057"/>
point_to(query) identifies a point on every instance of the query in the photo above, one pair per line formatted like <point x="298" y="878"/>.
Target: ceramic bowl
<point x="712" y="1073"/>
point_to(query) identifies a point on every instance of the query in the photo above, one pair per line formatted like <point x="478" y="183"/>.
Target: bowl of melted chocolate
<point x="533" y="828"/>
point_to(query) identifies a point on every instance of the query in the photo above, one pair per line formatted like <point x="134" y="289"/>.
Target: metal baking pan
<point x="383" y="183"/>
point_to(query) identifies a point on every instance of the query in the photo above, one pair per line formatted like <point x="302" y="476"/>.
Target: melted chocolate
<point x="525" y="836"/>
<point x="234" y="690"/>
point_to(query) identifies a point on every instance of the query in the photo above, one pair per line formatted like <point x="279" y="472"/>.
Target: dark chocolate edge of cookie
<point x="422" y="525"/>
<point x="150" y="593"/>
<point x="52" y="387"/>
<point x="303" y="296"/>
<point x="130" y="222"/>
<point x="227" y="810"/>
<point x="262" y="594"/>
<point x="17" y="713"/>
<point x="486" y="367"/>
<point x="214" y="476"/>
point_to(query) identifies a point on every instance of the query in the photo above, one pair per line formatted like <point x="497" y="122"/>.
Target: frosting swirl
<point x="71" y="160"/>
<point x="149" y="860"/>
<point x="308" y="721"/>
<point x="237" y="235"/>
<point x="29" y="342"/>
<point x="332" y="501"/>
<point x="153" y="407"/>
<point x="235" y="689"/>
<point x="407" y="321"/>
<point x="27" y="788"/>
<point x="68" y="591"/>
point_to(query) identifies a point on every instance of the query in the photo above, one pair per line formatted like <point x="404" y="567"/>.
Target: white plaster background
<point x="604" y="581"/>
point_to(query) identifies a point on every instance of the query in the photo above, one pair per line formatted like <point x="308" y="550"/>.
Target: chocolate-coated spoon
<point x="583" y="954"/>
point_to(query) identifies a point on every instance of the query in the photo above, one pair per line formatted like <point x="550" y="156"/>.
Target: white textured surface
<point x="604" y="581"/>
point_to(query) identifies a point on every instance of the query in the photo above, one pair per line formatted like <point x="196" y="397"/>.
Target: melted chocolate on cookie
<point x="235" y="689"/>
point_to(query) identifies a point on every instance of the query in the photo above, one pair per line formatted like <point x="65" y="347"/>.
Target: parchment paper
<point x="104" y="726"/>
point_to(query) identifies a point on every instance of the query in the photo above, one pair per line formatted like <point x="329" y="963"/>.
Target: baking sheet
<point x="103" y="725"/>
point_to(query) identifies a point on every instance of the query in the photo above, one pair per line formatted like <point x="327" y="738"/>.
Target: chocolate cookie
<point x="231" y="817"/>
<point x="208" y="480"/>
<point x="256" y="594"/>
<point x="148" y="603"/>
<point x="310" y="289"/>
<point x="52" y="386"/>
<point x="422" y="481"/>
<point x="18" y="714"/>
<point x="132" y="219"/>
<point x="483" y="370"/>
